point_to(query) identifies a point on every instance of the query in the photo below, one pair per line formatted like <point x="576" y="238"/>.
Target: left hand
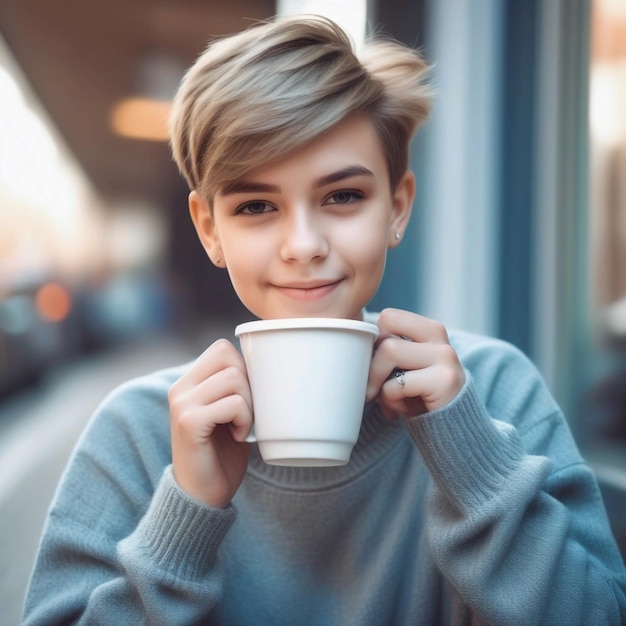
<point x="418" y="346"/>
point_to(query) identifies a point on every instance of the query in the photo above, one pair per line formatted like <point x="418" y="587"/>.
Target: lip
<point x="311" y="290"/>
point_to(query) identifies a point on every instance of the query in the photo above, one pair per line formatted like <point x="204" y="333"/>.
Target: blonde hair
<point x="257" y="95"/>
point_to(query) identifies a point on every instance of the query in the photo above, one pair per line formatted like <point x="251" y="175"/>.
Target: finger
<point x="197" y="424"/>
<point x="411" y="326"/>
<point x="197" y="409"/>
<point x="236" y="411"/>
<point x="228" y="381"/>
<point x="435" y="386"/>
<point x="218" y="356"/>
<point x="395" y="353"/>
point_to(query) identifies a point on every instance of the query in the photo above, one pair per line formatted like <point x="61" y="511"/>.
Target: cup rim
<point x="306" y="322"/>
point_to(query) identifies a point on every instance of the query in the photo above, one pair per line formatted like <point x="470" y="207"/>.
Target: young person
<point x="465" y="499"/>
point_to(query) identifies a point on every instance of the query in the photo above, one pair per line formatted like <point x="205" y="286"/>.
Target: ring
<point x="399" y="374"/>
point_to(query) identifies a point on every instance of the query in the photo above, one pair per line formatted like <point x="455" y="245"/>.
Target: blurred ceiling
<point x="83" y="56"/>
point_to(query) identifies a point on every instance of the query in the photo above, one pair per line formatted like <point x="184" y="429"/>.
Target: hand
<point x="433" y="374"/>
<point x="211" y="415"/>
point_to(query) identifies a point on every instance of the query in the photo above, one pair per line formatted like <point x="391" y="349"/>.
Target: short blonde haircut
<point x="258" y="95"/>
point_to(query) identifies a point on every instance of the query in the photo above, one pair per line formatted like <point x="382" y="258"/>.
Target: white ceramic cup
<point x="308" y="378"/>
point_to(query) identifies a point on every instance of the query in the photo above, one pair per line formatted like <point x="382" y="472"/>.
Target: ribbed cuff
<point x="469" y="454"/>
<point x="180" y="534"/>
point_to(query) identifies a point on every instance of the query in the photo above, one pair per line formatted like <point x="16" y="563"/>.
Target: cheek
<point x="369" y="268"/>
<point x="242" y="262"/>
<point x="368" y="250"/>
<point x="245" y="284"/>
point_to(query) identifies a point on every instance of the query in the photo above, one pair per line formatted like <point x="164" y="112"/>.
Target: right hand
<point x="211" y="416"/>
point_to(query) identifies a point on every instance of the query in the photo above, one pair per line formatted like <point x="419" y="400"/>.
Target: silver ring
<point x="400" y="377"/>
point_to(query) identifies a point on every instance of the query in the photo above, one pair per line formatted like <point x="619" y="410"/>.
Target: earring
<point x="397" y="236"/>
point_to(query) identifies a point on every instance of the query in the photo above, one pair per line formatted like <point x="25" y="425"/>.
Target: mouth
<point x="306" y="291"/>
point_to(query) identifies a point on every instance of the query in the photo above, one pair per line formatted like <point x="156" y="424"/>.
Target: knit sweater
<point x="481" y="512"/>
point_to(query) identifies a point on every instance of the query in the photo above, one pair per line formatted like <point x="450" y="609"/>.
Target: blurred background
<point x="519" y="228"/>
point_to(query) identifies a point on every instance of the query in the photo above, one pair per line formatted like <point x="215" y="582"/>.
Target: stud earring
<point x="397" y="236"/>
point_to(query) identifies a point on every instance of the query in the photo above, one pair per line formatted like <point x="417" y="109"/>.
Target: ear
<point x="202" y="218"/>
<point x="402" y="205"/>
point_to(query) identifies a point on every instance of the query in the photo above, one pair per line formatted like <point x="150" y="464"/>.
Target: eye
<point x="344" y="197"/>
<point x="257" y="207"/>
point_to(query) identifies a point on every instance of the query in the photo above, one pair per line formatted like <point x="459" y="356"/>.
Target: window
<point x="607" y="107"/>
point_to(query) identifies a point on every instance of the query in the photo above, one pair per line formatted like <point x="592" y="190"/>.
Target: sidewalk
<point x="37" y="433"/>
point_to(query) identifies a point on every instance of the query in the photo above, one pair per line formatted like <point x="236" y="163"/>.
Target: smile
<point x="307" y="291"/>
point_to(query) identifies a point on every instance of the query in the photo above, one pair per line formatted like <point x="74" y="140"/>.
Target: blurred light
<point x="608" y="103"/>
<point x="28" y="149"/>
<point x="47" y="204"/>
<point x="53" y="302"/>
<point x="614" y="9"/>
<point x="135" y="235"/>
<point x="616" y="318"/>
<point x="141" y="118"/>
<point x="608" y="73"/>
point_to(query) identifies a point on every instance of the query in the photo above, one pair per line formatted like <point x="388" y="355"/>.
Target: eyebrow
<point x="250" y="186"/>
<point x="339" y="175"/>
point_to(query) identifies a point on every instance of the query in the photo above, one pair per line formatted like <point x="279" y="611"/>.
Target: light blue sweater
<point x="480" y="512"/>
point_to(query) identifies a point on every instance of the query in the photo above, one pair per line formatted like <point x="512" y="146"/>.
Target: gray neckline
<point x="377" y="437"/>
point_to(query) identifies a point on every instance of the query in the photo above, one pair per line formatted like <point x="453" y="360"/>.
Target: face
<point x="307" y="236"/>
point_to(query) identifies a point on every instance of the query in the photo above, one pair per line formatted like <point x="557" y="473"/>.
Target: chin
<point x="286" y="310"/>
<point x="289" y="314"/>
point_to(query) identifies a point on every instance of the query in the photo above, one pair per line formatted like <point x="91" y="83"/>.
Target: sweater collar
<point x="378" y="435"/>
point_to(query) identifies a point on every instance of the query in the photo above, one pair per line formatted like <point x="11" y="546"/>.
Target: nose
<point x="304" y="238"/>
